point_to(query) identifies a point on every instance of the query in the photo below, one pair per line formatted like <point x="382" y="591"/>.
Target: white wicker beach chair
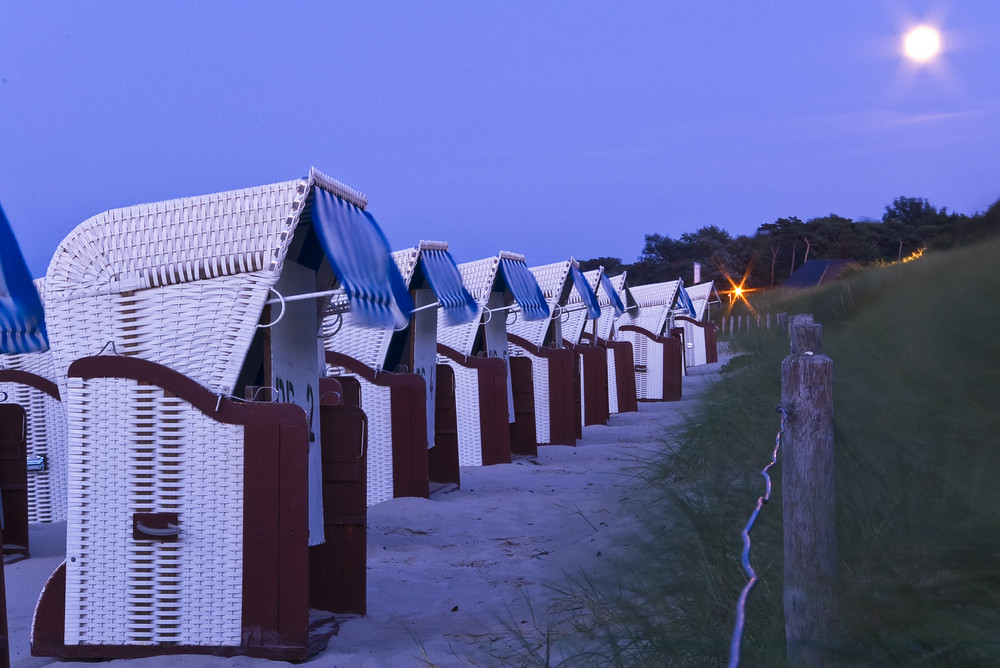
<point x="385" y="361"/>
<point x="552" y="369"/>
<point x="28" y="379"/>
<point x="571" y="301"/>
<point x="621" y="379"/>
<point x="647" y="328"/>
<point x="151" y="309"/>
<point x="478" y="354"/>
<point x="34" y="421"/>
<point x="583" y="306"/>
<point x="699" y="333"/>
<point x="621" y="357"/>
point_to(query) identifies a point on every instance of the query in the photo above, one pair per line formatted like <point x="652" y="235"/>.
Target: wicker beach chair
<point x="622" y="394"/>
<point x="28" y="379"/>
<point x="33" y="423"/>
<point x="700" y="346"/>
<point x="190" y="514"/>
<point x="477" y="353"/>
<point x="612" y="296"/>
<point x="548" y="345"/>
<point x="658" y="357"/>
<point x="583" y="306"/>
<point x="397" y="370"/>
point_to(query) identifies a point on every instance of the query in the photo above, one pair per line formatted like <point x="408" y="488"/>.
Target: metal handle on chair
<point x="169" y="530"/>
<point x="156" y="526"/>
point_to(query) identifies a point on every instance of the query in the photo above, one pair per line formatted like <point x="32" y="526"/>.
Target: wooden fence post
<point x="808" y="503"/>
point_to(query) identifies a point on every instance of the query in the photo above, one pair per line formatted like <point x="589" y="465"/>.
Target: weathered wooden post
<point x="808" y="502"/>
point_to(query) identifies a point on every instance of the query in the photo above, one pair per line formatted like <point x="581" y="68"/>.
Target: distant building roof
<point x="818" y="272"/>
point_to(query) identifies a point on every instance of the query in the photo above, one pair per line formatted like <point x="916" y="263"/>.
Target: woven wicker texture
<point x="406" y="261"/>
<point x="612" y="384"/>
<point x="377" y="405"/>
<point x="478" y="278"/>
<point x="470" y="438"/>
<point x="135" y="449"/>
<point x="655" y="301"/>
<point x="46" y="426"/>
<point x="648" y="385"/>
<point x="551" y="280"/>
<point x="655" y="294"/>
<point x="540" y="387"/>
<point x="343" y="333"/>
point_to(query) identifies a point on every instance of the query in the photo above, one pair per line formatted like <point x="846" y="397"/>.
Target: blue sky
<point x="547" y="128"/>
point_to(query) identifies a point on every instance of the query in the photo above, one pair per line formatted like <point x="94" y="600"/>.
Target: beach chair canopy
<point x="184" y="282"/>
<point x="701" y="296"/>
<point x="581" y="305"/>
<point x="684" y="301"/>
<point x="654" y="302"/>
<point x="361" y="259"/>
<point x="22" y="321"/>
<point x="583" y="292"/>
<point x="431" y="263"/>
<point x="608" y="294"/>
<point x="496" y="283"/>
<point x="427" y="265"/>
<point x="567" y="292"/>
<point x="523" y="286"/>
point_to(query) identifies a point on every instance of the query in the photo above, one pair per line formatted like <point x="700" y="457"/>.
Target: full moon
<point x="922" y="43"/>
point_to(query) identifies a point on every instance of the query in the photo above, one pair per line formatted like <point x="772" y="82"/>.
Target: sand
<point x="465" y="577"/>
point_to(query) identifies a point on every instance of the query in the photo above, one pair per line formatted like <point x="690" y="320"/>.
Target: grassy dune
<point x="916" y="351"/>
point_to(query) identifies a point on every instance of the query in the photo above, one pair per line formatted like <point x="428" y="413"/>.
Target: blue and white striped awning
<point x="522" y="283"/>
<point x="586" y="292"/>
<point x="612" y="294"/>
<point x="684" y="300"/>
<point x="361" y="259"/>
<point x="442" y="273"/>
<point x="22" y="320"/>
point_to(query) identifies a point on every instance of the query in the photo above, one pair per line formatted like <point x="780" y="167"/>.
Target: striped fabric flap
<point x="684" y="300"/>
<point x="612" y="294"/>
<point x="457" y="305"/>
<point x="22" y="320"/>
<point x="522" y="283"/>
<point x="360" y="255"/>
<point x="585" y="291"/>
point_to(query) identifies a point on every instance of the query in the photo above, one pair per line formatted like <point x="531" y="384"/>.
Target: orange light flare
<point x="737" y="291"/>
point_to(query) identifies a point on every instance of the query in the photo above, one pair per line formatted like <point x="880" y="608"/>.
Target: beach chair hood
<point x="184" y="282"/>
<point x="22" y="321"/>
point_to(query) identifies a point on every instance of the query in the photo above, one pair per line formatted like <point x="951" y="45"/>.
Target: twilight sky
<point x="546" y="128"/>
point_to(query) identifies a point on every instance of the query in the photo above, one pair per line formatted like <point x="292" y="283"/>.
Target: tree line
<point x="777" y="249"/>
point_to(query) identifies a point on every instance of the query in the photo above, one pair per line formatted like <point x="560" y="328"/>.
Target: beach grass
<point x="917" y="435"/>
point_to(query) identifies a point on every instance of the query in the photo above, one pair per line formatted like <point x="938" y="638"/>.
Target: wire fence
<point x="734" y="647"/>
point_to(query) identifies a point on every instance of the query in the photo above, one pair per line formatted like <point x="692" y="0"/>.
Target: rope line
<point x="734" y="647"/>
